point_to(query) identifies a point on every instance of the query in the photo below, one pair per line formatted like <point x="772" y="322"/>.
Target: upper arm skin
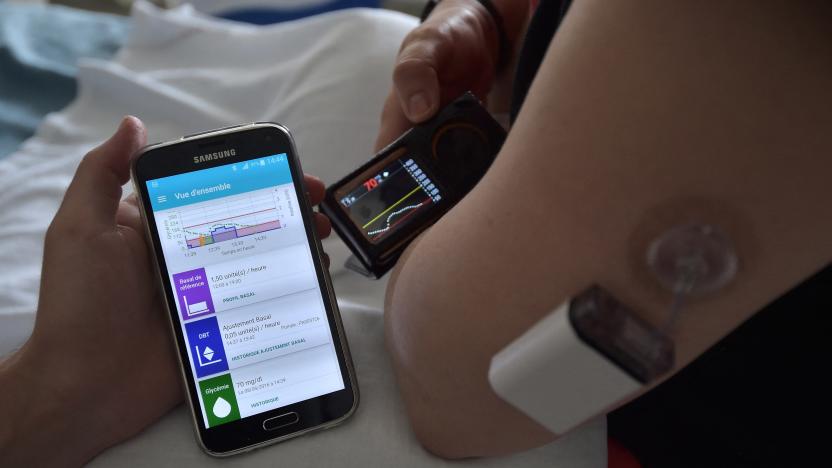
<point x="644" y="114"/>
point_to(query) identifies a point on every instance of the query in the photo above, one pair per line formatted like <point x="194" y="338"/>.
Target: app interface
<point x="387" y="196"/>
<point x="247" y="296"/>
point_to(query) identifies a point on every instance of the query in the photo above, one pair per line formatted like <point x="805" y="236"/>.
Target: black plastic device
<point x="379" y="208"/>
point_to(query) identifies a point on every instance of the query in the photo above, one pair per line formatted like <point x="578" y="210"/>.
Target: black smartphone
<point x="252" y="311"/>
<point x="380" y="207"/>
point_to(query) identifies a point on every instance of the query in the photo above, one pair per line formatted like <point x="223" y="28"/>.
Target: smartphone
<point x="251" y="306"/>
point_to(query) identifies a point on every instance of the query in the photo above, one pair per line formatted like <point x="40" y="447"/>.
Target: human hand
<point x="455" y="50"/>
<point x="100" y="364"/>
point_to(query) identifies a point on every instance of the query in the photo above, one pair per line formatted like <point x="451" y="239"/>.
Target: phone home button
<point x="280" y="421"/>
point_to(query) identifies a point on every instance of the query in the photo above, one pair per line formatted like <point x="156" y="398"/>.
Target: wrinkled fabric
<point x="39" y="49"/>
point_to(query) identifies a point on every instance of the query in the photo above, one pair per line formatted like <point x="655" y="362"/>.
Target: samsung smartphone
<point x="252" y="310"/>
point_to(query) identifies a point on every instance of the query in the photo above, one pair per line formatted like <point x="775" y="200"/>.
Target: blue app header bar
<point x="218" y="182"/>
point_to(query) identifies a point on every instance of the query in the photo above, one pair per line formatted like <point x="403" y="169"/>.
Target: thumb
<point x="93" y="196"/>
<point x="416" y="75"/>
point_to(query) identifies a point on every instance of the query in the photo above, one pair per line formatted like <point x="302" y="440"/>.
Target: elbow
<point x="436" y="440"/>
<point x="442" y="375"/>
<point x="420" y="368"/>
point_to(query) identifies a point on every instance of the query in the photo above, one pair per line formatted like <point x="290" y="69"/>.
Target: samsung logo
<point x="212" y="156"/>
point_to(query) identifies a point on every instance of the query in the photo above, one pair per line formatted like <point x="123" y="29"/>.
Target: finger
<point x="393" y="122"/>
<point x="128" y="215"/>
<point x="93" y="196"/>
<point x="322" y="225"/>
<point x="416" y="74"/>
<point x="132" y="199"/>
<point x="315" y="189"/>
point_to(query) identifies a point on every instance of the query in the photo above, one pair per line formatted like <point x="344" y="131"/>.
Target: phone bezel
<point x="251" y="141"/>
<point x="378" y="257"/>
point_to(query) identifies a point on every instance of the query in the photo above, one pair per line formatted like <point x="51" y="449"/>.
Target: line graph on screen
<point x="230" y="218"/>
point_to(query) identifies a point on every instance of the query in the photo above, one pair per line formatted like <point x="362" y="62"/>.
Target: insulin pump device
<point x="593" y="352"/>
<point x="379" y="208"/>
<point x="586" y="355"/>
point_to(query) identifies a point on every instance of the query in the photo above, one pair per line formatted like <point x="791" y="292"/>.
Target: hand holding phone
<point x="99" y="366"/>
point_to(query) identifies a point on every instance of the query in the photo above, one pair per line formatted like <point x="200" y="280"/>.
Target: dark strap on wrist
<point x="503" y="46"/>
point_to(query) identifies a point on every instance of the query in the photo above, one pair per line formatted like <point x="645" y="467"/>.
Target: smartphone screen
<point x="386" y="196"/>
<point x="247" y="296"/>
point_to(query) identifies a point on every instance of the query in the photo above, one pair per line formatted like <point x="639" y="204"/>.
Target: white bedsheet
<point x="325" y="78"/>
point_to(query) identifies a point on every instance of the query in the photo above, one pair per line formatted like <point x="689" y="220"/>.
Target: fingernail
<point x="124" y="121"/>
<point x="115" y="135"/>
<point x="129" y="119"/>
<point x="129" y="125"/>
<point x="122" y="125"/>
<point x="418" y="105"/>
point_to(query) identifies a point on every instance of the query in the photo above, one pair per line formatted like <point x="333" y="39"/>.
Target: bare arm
<point x="643" y="115"/>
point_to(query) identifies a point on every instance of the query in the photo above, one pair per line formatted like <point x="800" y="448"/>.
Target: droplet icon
<point x="221" y="408"/>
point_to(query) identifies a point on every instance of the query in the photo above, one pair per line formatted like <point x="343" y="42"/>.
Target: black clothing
<point x="759" y="397"/>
